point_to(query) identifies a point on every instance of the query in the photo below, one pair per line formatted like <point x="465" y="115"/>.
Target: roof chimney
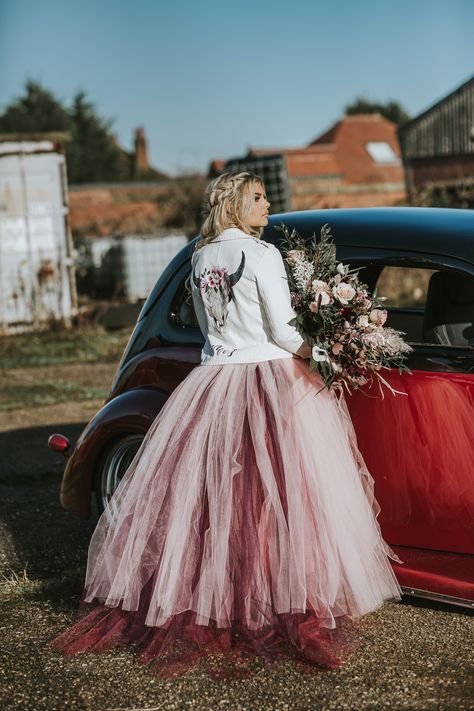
<point x="141" y="164"/>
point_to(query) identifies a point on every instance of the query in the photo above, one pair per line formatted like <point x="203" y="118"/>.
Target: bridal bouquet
<point x="345" y="323"/>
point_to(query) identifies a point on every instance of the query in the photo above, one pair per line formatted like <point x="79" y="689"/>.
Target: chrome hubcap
<point x="116" y="464"/>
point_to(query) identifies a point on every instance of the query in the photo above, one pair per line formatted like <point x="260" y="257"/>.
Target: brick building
<point x="438" y="151"/>
<point x="356" y="163"/>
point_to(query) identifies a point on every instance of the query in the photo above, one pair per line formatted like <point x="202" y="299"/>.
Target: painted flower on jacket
<point x="215" y="286"/>
<point x="214" y="278"/>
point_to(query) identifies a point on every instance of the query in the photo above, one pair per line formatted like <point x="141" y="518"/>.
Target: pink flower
<point x="337" y="348"/>
<point x="378" y="316"/>
<point x="325" y="299"/>
<point x="318" y="285"/>
<point x="320" y="291"/>
<point x="343" y="292"/>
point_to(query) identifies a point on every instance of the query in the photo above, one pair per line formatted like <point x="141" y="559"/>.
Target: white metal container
<point x="37" y="283"/>
<point x="128" y="266"/>
<point x="143" y="259"/>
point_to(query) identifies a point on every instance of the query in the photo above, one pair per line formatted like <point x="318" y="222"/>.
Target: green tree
<point x="37" y="110"/>
<point x="92" y="155"/>
<point x="392" y="110"/>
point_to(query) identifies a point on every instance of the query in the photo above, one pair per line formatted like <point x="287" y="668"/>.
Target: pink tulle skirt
<point x="245" y="525"/>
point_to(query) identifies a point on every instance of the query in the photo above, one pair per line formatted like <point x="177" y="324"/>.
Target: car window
<point x="404" y="286"/>
<point x="431" y="306"/>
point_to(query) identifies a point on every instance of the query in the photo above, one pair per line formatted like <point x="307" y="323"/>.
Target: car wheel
<point x="113" y="465"/>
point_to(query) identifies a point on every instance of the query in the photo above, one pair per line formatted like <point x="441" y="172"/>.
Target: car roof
<point x="430" y="230"/>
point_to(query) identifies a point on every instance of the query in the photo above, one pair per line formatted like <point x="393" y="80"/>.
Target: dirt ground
<point x="417" y="656"/>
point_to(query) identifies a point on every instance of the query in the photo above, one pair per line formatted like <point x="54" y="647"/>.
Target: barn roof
<point x="445" y="128"/>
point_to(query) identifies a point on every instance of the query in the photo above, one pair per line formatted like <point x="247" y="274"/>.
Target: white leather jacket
<point x="242" y="302"/>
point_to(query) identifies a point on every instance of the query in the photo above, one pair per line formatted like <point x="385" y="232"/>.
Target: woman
<point x="246" y="523"/>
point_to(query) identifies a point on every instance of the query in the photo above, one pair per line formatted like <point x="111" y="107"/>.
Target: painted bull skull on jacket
<point x="215" y="286"/>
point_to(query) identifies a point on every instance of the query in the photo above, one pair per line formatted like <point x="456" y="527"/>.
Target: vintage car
<point x="419" y="446"/>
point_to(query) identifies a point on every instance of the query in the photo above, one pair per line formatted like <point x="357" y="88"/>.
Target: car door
<point x="419" y="446"/>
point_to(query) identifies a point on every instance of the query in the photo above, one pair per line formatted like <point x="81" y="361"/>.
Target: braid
<point x="227" y="200"/>
<point x="225" y="187"/>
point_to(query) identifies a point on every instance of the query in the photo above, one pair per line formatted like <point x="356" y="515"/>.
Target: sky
<point x="210" y="78"/>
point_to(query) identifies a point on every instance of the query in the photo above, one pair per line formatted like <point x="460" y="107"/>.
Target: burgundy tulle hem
<point x="224" y="653"/>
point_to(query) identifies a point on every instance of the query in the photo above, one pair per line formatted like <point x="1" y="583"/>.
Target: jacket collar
<point x="232" y="233"/>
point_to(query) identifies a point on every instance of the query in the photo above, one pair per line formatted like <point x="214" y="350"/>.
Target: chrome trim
<point x="438" y="597"/>
<point x="118" y="460"/>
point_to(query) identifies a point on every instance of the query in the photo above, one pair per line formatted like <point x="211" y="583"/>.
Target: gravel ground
<point x="417" y="656"/>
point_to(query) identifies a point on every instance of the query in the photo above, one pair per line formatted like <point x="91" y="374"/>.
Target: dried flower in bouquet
<point x="345" y="322"/>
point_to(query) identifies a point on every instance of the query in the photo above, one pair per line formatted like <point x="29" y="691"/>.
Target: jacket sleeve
<point x="272" y="284"/>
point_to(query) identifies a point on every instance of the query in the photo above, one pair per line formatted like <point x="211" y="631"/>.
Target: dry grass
<point x="52" y="367"/>
<point x="13" y="584"/>
<point x="86" y="344"/>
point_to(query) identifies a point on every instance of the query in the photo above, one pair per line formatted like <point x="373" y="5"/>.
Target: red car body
<point x="419" y="447"/>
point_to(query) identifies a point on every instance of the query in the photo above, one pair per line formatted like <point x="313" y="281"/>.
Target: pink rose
<point x="378" y="316"/>
<point x="319" y="285"/>
<point x="343" y="292"/>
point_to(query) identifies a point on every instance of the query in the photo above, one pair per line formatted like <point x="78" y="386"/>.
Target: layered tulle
<point x="246" y="523"/>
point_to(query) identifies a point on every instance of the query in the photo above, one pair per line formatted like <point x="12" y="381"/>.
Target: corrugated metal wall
<point x="446" y="129"/>
<point x="35" y="258"/>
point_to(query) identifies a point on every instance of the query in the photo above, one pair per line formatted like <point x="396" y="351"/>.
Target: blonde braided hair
<point x="227" y="201"/>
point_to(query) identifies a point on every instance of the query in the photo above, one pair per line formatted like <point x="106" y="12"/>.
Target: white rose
<point x="363" y="321"/>
<point x="343" y="292"/>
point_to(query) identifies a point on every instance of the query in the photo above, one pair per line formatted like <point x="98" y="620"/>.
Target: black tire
<point x="113" y="465"/>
